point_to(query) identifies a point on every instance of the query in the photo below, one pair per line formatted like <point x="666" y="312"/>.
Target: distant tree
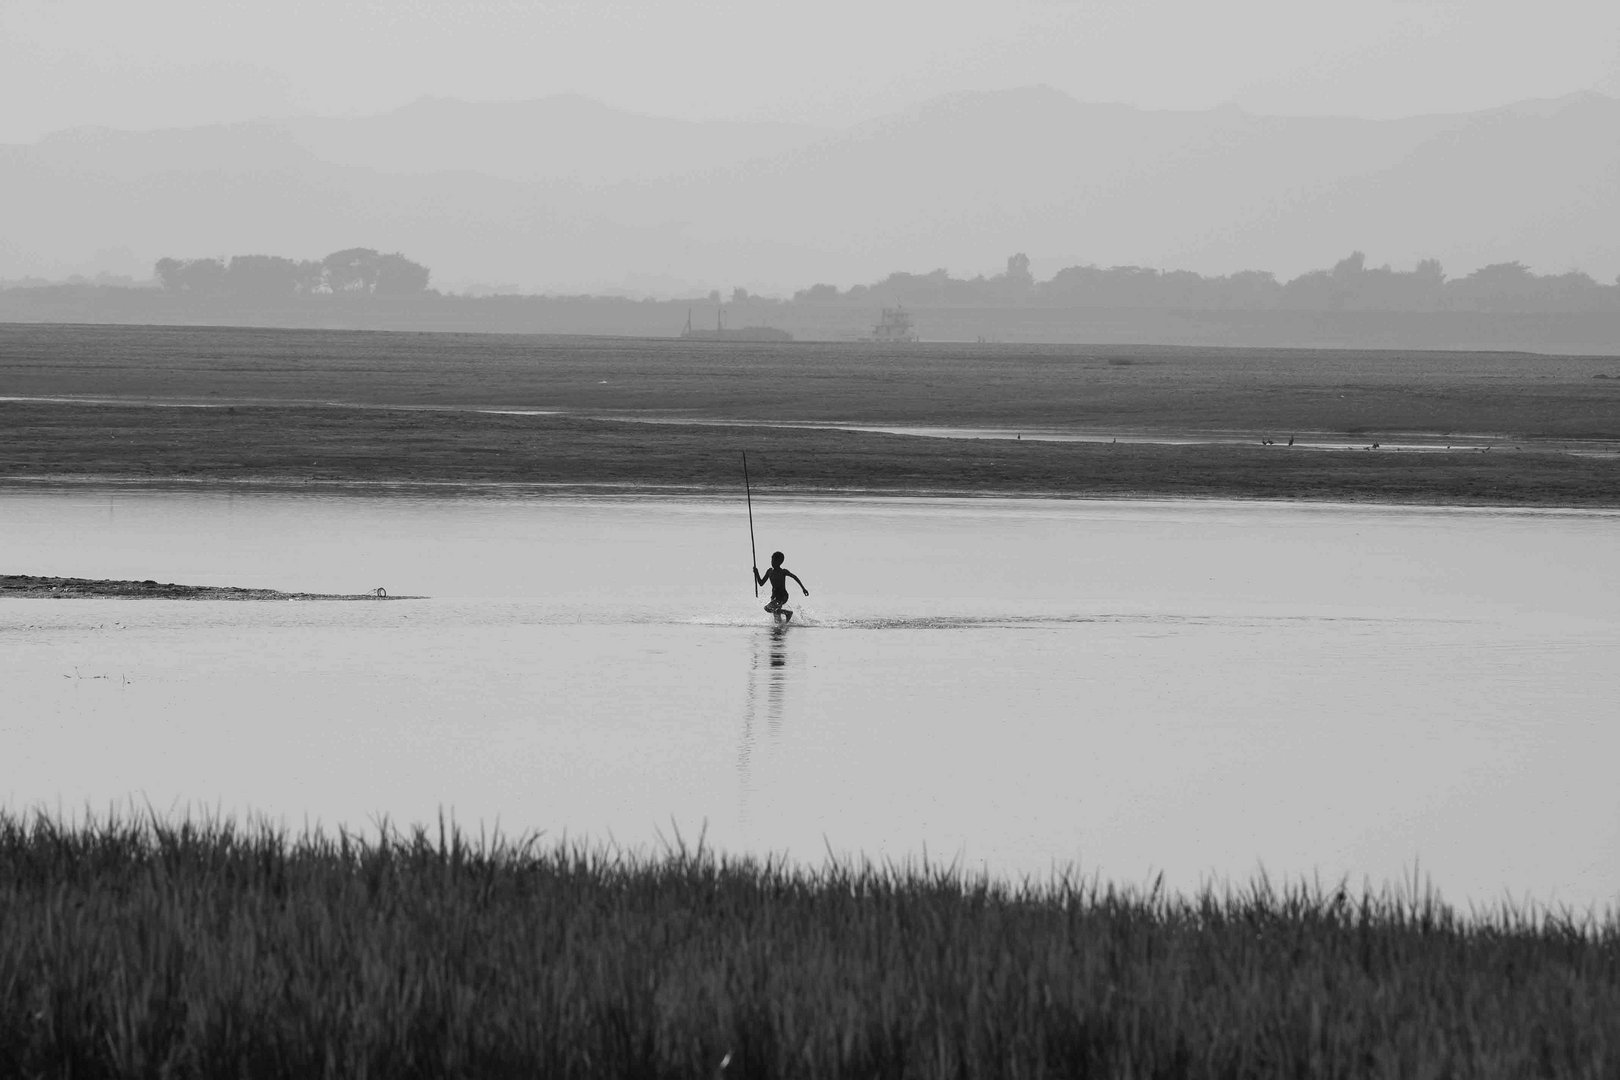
<point x="352" y="270"/>
<point x="1246" y="290"/>
<point x="1349" y="285"/>
<point x="364" y="270"/>
<point x="1572" y="283"/>
<point x="399" y="276"/>
<point x="1012" y="287"/>
<point x="206" y="276"/>
<point x="1507" y="273"/>
<point x="311" y="277"/>
<point x="1018" y="273"/>
<point x="1497" y="287"/>
<point x="1180" y="289"/>
<point x="261" y="276"/>
<point x="168" y="274"/>
<point x="1074" y="286"/>
<point x="817" y="294"/>
<point x="200" y="277"/>
<point x="1130" y="286"/>
<point x="1421" y="290"/>
<point x="934" y="289"/>
<point x="1312" y="291"/>
<point x="1351" y="265"/>
<point x="1117" y="286"/>
<point x="739" y="295"/>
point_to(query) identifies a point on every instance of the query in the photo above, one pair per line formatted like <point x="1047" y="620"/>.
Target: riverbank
<point x="25" y="586"/>
<point x="208" y="948"/>
<point x="1362" y="395"/>
<point x="236" y="407"/>
<point x="447" y="451"/>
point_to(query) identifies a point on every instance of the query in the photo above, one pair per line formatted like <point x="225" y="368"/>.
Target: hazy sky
<point x="153" y="63"/>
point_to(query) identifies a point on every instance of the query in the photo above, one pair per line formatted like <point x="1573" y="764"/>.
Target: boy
<point x="777" y="575"/>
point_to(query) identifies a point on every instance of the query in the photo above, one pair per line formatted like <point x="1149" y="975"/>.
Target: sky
<point x="143" y="64"/>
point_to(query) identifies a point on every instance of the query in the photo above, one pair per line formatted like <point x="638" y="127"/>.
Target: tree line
<point x="350" y="272"/>
<point x="1351" y="285"/>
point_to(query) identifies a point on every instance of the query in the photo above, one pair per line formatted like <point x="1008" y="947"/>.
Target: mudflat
<point x="467" y="412"/>
<point x="61" y="588"/>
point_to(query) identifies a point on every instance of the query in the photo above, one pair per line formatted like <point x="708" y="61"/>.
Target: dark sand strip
<point x="368" y="450"/>
<point x="60" y="588"/>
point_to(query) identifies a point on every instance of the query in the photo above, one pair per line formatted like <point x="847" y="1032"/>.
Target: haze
<point x="657" y="149"/>
<point x="176" y="62"/>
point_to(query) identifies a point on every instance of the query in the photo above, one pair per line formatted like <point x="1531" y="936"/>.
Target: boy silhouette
<point x="777" y="575"/>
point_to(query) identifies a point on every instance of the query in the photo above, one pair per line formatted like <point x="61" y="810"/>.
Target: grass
<point x="140" y="947"/>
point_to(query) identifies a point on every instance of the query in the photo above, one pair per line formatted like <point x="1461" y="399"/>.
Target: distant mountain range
<point x="568" y="195"/>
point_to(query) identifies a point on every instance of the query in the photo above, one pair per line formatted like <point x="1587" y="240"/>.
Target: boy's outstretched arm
<point x="759" y="578"/>
<point x="795" y="577"/>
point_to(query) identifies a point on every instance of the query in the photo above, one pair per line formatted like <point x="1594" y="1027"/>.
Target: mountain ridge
<point x="566" y="193"/>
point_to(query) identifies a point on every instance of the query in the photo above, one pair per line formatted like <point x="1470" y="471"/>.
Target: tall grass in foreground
<point x="144" y="948"/>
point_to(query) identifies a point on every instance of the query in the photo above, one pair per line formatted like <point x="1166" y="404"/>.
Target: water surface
<point x="1199" y="688"/>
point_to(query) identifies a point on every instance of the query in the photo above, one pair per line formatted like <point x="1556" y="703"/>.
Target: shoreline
<point x="31" y="587"/>
<point x="495" y="489"/>
<point x="339" y="450"/>
<point x="1413" y="440"/>
<point x="286" y="410"/>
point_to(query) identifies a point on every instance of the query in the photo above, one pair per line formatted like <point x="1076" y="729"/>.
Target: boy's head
<point x="776" y="558"/>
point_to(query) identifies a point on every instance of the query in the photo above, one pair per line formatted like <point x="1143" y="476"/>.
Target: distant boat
<point x="722" y="332"/>
<point x="894" y="325"/>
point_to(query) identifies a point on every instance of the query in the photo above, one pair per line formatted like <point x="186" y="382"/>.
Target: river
<point x="1207" y="690"/>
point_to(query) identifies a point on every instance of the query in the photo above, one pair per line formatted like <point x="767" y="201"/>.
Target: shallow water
<point x="1199" y="688"/>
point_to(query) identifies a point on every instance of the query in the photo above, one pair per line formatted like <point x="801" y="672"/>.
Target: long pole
<point x="752" y="554"/>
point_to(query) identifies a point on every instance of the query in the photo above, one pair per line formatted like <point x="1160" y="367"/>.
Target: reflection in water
<point x="771" y="644"/>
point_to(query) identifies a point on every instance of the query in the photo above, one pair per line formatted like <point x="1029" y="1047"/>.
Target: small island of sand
<point x="61" y="588"/>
